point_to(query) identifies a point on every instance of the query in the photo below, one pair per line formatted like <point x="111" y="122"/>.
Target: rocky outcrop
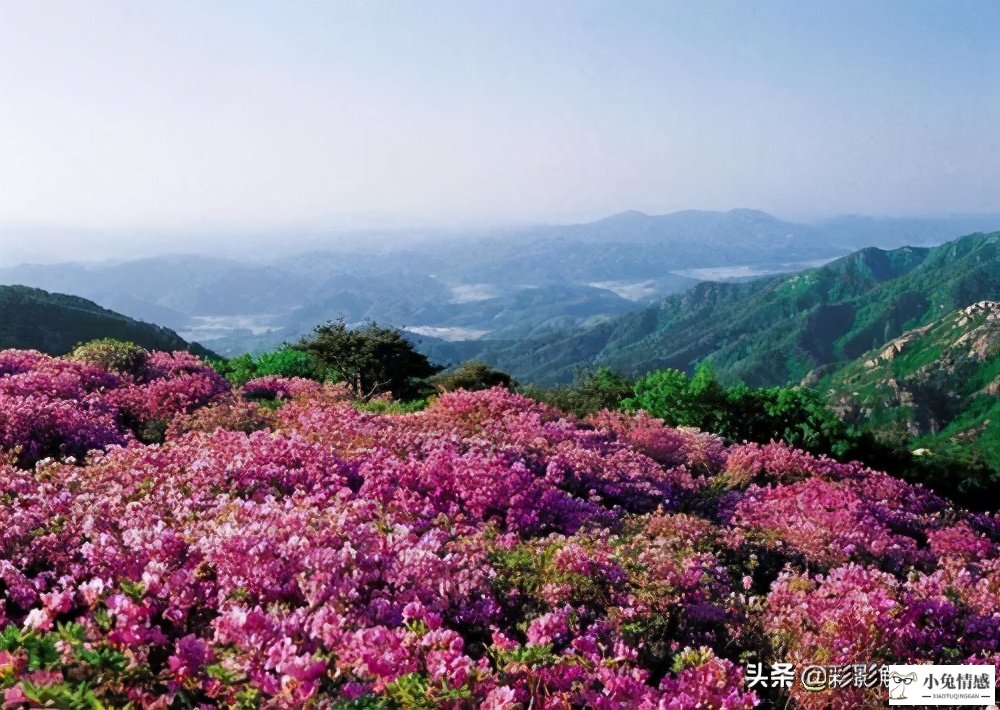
<point x="931" y="386"/>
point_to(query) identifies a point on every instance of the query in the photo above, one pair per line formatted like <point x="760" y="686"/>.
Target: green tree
<point x="371" y="360"/>
<point x="667" y="394"/>
<point x="802" y="418"/>
<point x="238" y="370"/>
<point x="592" y="391"/>
<point x="796" y="415"/>
<point x="286" y="361"/>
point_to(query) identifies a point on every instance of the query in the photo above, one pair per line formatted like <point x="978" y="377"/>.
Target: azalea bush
<point x="58" y="408"/>
<point x="487" y="550"/>
<point x="279" y="388"/>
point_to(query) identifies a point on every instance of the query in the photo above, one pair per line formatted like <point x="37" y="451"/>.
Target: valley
<point x="498" y="287"/>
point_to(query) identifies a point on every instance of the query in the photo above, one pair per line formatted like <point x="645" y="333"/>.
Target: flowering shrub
<point x="172" y="384"/>
<point x="37" y="427"/>
<point x="828" y="523"/>
<point x="275" y="387"/>
<point x="666" y="445"/>
<point x="486" y="551"/>
<point x="231" y="413"/>
<point x="56" y="408"/>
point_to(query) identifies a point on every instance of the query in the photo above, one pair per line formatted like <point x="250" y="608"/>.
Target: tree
<point x="284" y="362"/>
<point x="238" y="370"/>
<point x="592" y="391"/>
<point x="796" y="415"/>
<point x="668" y="394"/>
<point x="370" y="360"/>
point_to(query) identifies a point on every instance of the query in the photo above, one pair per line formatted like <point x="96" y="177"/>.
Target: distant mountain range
<point x="905" y="341"/>
<point x="55" y="323"/>
<point x="769" y="331"/>
<point x="509" y="286"/>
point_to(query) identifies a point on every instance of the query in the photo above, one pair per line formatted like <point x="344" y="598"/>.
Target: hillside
<point x="938" y="383"/>
<point x="772" y="331"/>
<point x="55" y="323"/>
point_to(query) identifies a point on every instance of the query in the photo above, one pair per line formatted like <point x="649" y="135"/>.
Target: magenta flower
<point x="487" y="551"/>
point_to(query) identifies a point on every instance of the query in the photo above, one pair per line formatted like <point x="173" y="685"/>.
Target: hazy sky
<point x="210" y="114"/>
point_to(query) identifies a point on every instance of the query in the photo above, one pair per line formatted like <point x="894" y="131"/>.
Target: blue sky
<point x="235" y="115"/>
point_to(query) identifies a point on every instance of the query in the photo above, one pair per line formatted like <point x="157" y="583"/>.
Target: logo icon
<point x="899" y="683"/>
<point x="933" y="684"/>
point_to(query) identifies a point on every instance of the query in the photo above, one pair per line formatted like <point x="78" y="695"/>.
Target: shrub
<point x="286" y="362"/>
<point x="283" y="362"/>
<point x="273" y="387"/>
<point x="231" y="414"/>
<point x="592" y="391"/>
<point x="238" y="370"/>
<point x="471" y="376"/>
<point x="795" y="415"/>
<point x="119" y="356"/>
<point x="800" y="417"/>
<point x="384" y="405"/>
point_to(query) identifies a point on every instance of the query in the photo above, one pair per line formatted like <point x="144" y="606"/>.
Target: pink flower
<point x="549" y="628"/>
<point x="488" y="548"/>
<point x="502" y="698"/>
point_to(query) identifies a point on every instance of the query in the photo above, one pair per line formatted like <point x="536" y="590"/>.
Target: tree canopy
<point x="370" y="360"/>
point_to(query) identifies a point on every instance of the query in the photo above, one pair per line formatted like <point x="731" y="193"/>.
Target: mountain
<point x="771" y="331"/>
<point x="183" y="285"/>
<point x="209" y="298"/>
<point x="55" y="323"/>
<point x="939" y="382"/>
<point x="504" y="285"/>
<point x="633" y="245"/>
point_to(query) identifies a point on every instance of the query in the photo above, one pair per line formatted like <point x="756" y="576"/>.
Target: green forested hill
<point x="939" y="383"/>
<point x="768" y="332"/>
<point x="55" y="323"/>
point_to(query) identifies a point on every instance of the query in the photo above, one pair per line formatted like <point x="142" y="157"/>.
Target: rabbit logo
<point x="899" y="683"/>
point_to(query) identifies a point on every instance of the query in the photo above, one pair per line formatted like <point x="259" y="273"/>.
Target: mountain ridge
<point x="774" y="330"/>
<point x="254" y="303"/>
<point x="55" y="323"/>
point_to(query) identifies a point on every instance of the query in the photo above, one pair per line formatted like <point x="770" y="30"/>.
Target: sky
<point x="147" y="118"/>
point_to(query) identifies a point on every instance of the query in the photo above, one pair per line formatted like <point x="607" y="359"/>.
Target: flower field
<point x="488" y="551"/>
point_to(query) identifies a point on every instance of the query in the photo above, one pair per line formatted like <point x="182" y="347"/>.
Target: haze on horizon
<point x="122" y="123"/>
